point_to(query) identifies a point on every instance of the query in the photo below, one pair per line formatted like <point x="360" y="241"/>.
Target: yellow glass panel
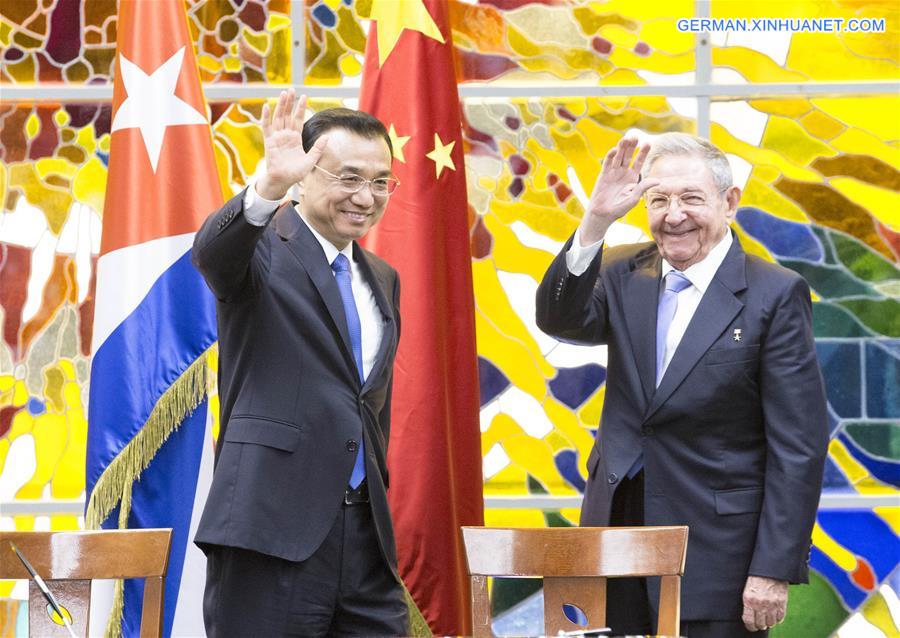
<point x="753" y="65"/>
<point x="793" y="142"/>
<point x="857" y="141"/>
<point x="568" y="425"/>
<point x="843" y="558"/>
<point x="514" y="518"/>
<point x="890" y="515"/>
<point x="883" y="203"/>
<point x="876" y="114"/>
<point x="89" y="185"/>
<point x="822" y="126"/>
<point x="759" y="194"/>
<point x="537" y="457"/>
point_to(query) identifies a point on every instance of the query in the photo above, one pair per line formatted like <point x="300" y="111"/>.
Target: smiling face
<point x="338" y="216"/>
<point x="685" y="234"/>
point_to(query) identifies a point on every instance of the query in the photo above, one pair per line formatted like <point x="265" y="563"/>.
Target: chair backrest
<point x="575" y="563"/>
<point x="67" y="561"/>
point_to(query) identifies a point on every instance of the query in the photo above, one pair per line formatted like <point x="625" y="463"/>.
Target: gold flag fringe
<point x="418" y="626"/>
<point x="114" y="622"/>
<point x="114" y="485"/>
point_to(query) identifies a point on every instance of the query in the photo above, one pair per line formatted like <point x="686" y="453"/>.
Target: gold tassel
<point x="178" y="401"/>
<point x="417" y="624"/>
<point x="114" y="622"/>
<point x="114" y="485"/>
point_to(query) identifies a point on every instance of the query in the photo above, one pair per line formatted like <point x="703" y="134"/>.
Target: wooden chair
<point x="67" y="561"/>
<point x="575" y="563"/>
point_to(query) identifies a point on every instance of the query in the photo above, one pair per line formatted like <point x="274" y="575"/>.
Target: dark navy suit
<point x="735" y="436"/>
<point x="293" y="408"/>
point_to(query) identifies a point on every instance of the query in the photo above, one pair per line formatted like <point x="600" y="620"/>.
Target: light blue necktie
<point x="665" y="312"/>
<point x="341" y="268"/>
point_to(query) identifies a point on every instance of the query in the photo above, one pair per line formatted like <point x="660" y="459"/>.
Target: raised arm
<point x="571" y="302"/>
<point x="226" y="243"/>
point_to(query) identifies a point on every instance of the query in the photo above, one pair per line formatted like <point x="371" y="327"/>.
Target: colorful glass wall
<point x="810" y="121"/>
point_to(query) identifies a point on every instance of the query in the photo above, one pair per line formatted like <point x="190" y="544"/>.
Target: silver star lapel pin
<point x="737" y="334"/>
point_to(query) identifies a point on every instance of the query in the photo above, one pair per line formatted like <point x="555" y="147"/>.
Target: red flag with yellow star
<point x="434" y="456"/>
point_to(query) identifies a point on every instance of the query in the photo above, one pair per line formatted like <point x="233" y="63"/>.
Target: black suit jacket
<point x="735" y="437"/>
<point x="292" y="405"/>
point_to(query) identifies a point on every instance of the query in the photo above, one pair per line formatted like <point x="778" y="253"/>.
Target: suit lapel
<point x="379" y="285"/>
<point x="640" y="290"/>
<point x="716" y="311"/>
<point x="308" y="251"/>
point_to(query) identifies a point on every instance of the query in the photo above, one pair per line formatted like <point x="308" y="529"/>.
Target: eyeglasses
<point x="658" y="202"/>
<point x="380" y="186"/>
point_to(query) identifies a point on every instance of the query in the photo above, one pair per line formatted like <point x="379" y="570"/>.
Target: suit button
<point x="352" y="446"/>
<point x="647" y="431"/>
<point x="612" y="477"/>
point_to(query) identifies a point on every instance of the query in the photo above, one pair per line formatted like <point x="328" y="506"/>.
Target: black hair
<point x="359" y="122"/>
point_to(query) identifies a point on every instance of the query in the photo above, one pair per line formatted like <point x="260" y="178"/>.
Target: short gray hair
<point x="684" y="144"/>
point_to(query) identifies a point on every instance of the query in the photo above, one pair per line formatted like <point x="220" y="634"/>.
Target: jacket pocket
<point x="740" y="354"/>
<point x="262" y="431"/>
<point x="742" y="500"/>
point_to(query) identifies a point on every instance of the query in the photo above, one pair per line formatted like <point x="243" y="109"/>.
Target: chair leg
<point x="481" y="608"/>
<point x="669" y="618"/>
<point x="152" y="616"/>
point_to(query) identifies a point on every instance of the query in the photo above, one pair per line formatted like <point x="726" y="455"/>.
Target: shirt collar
<point x="330" y="249"/>
<point x="702" y="273"/>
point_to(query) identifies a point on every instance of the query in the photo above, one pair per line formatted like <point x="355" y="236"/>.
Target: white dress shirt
<point x="579" y="257"/>
<point x="259" y="211"/>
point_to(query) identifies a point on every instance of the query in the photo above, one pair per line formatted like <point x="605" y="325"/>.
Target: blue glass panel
<point x="852" y="595"/>
<point x="865" y="534"/>
<point x="882" y="380"/>
<point x="573" y="386"/>
<point x="833" y="478"/>
<point x="491" y="381"/>
<point x="567" y="464"/>
<point x="884" y="470"/>
<point x="324" y="16"/>
<point x="781" y="237"/>
<point x="841" y="369"/>
<point x="36" y="407"/>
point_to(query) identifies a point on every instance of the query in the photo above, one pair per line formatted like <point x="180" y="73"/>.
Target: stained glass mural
<point x="616" y="42"/>
<point x="820" y="180"/>
<point x="821" y="176"/>
<point x="75" y="42"/>
<point x="766" y="52"/>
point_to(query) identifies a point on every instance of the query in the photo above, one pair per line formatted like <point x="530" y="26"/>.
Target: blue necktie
<point x="341" y="268"/>
<point x="665" y="312"/>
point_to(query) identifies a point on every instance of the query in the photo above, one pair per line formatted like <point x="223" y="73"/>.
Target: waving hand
<point x="286" y="161"/>
<point x="617" y="191"/>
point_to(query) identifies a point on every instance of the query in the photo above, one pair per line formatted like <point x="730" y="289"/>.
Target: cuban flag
<point x="155" y="318"/>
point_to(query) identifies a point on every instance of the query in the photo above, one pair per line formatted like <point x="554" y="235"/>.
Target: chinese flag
<point x="435" y="450"/>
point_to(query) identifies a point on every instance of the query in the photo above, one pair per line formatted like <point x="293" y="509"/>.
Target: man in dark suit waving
<point x="296" y="528"/>
<point x="714" y="412"/>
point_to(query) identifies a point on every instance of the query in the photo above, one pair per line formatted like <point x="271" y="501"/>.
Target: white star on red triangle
<point x="151" y="105"/>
